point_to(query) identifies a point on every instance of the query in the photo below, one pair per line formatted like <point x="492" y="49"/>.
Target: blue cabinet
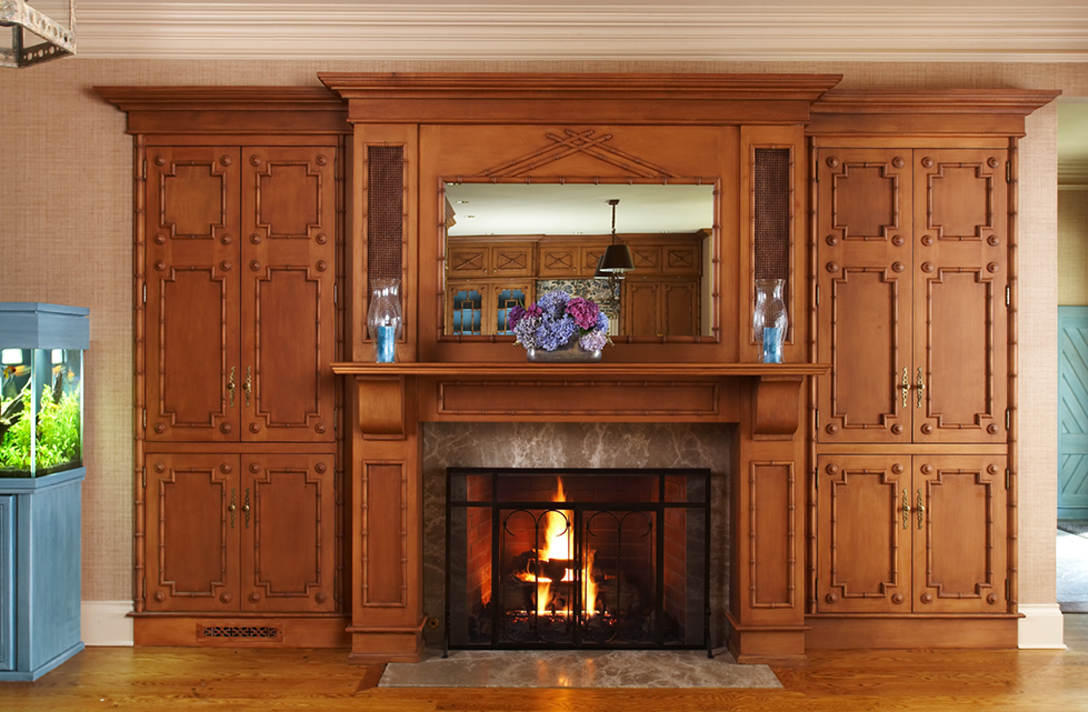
<point x="39" y="573"/>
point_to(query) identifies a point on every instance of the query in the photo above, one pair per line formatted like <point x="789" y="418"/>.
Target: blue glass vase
<point x="384" y="319"/>
<point x="769" y="320"/>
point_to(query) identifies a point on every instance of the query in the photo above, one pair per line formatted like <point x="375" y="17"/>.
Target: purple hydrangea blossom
<point x="551" y="323"/>
<point x="594" y="340"/>
<point x="583" y="311"/>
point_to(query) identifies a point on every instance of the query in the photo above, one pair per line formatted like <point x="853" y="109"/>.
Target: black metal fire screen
<point x="577" y="558"/>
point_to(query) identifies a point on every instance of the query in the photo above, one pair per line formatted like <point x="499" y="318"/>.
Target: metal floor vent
<point x="240" y="632"/>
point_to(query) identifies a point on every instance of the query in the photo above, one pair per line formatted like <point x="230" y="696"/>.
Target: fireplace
<point x="577" y="558"/>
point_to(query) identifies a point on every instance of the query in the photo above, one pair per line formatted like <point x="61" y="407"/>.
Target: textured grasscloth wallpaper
<point x="66" y="233"/>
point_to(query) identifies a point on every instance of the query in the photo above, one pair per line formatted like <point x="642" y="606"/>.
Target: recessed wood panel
<point x="384" y="544"/>
<point x="287" y="550"/>
<point x="960" y="551"/>
<point x="288" y="200"/>
<point x="864" y="195"/>
<point x="193" y="509"/>
<point x="864" y="325"/>
<point x="193" y="380"/>
<point x="865" y="534"/>
<point x="569" y="400"/>
<point x="960" y="195"/>
<point x="773" y="532"/>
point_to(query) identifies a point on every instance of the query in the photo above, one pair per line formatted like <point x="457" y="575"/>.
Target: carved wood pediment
<point x="574" y="142"/>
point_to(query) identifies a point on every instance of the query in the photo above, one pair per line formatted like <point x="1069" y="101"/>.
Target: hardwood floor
<point x="149" y="679"/>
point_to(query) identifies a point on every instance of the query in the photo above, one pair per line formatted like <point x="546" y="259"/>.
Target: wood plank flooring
<point x="149" y="679"/>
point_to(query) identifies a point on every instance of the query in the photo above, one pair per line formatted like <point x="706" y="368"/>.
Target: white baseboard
<point x="1041" y="626"/>
<point x="106" y="623"/>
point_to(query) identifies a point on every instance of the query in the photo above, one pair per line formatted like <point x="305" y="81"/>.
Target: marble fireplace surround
<point x="572" y="445"/>
<point x="743" y="421"/>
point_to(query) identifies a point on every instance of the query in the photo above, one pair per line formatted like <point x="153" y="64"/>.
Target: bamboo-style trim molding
<point x="469" y="370"/>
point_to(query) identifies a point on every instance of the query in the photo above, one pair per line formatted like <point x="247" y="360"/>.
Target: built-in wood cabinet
<point x="238" y="533"/>
<point x="240" y="294"/>
<point x="239" y="213"/>
<point x="912" y="534"/>
<point x="912" y="269"/>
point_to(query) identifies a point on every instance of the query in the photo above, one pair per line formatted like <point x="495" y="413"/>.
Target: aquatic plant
<point x="58" y="436"/>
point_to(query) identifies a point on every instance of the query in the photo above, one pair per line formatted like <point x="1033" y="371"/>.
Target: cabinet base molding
<point x="373" y="646"/>
<point x="277" y="631"/>
<point x="913" y="632"/>
<point x="766" y="645"/>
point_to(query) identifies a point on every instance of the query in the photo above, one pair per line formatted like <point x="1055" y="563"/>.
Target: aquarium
<point x="41" y="399"/>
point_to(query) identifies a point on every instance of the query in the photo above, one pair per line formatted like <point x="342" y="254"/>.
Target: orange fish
<point x="14" y="371"/>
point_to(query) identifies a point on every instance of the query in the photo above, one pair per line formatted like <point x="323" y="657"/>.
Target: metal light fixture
<point x="58" y="41"/>
<point x="614" y="263"/>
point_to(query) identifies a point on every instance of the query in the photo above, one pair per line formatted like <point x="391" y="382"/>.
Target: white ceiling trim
<point x="635" y="31"/>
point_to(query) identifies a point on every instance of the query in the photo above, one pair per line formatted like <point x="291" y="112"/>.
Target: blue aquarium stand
<point x="40" y="509"/>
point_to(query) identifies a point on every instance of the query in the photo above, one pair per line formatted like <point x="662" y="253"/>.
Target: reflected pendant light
<point x="617" y="258"/>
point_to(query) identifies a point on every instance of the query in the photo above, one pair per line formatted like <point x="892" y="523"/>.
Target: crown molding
<point x="1055" y="31"/>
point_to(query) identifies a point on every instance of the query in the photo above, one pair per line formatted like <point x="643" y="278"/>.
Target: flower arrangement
<point x="556" y="319"/>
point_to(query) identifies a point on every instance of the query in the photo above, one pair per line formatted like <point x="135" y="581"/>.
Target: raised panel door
<point x="288" y="313"/>
<point x="864" y="300"/>
<point x="642" y="313"/>
<point x="191" y="306"/>
<point x="959" y="526"/>
<point x="562" y="261"/>
<point x="467" y="260"/>
<point x="680" y="307"/>
<point x="513" y="260"/>
<point x="960" y="314"/>
<point x="288" y="533"/>
<point x="865" y="534"/>
<point x="193" y="518"/>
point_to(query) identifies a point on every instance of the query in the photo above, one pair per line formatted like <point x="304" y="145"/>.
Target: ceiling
<point x="697" y="30"/>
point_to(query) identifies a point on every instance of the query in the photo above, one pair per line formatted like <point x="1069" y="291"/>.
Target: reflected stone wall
<point x="572" y="445"/>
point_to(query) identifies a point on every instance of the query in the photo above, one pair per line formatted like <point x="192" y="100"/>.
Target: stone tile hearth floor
<point x="600" y="669"/>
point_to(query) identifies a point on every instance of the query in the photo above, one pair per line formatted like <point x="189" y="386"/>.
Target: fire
<point x="557" y="545"/>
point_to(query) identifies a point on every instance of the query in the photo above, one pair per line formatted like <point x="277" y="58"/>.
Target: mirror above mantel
<point x="512" y="242"/>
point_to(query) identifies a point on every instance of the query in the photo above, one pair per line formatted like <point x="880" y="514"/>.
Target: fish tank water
<point x="41" y="397"/>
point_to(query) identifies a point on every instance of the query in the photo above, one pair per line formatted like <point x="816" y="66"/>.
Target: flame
<point x="557" y="545"/>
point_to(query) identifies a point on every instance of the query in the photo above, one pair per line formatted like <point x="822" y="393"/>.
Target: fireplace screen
<point x="566" y="558"/>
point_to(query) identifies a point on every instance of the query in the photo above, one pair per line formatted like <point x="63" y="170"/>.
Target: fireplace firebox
<point x="563" y="558"/>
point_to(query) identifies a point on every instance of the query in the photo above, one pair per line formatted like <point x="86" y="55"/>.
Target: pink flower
<point x="583" y="311"/>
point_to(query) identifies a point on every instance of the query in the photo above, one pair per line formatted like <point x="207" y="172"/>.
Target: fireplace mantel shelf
<point x="603" y="370"/>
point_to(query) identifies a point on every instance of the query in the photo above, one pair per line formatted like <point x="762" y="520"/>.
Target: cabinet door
<point x="680" y="307"/>
<point x="864" y="299"/>
<point x="467" y="260"/>
<point x="960" y="317"/>
<point x="513" y="260"/>
<point x="560" y="261"/>
<point x="193" y="518"/>
<point x="502" y="299"/>
<point x="960" y="544"/>
<point x="288" y="533"/>
<point x="642" y="317"/>
<point x="8" y="591"/>
<point x="288" y="276"/>
<point x="465" y="308"/>
<point x="191" y="313"/>
<point x="864" y="531"/>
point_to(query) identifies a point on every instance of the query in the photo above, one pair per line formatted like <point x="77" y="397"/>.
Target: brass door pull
<point x="920" y="507"/>
<point x="921" y="388"/>
<point x="905" y="386"/>
<point x="245" y="507"/>
<point x="233" y="507"/>
<point x="248" y="385"/>
<point x="906" y="509"/>
<point x="230" y="386"/>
